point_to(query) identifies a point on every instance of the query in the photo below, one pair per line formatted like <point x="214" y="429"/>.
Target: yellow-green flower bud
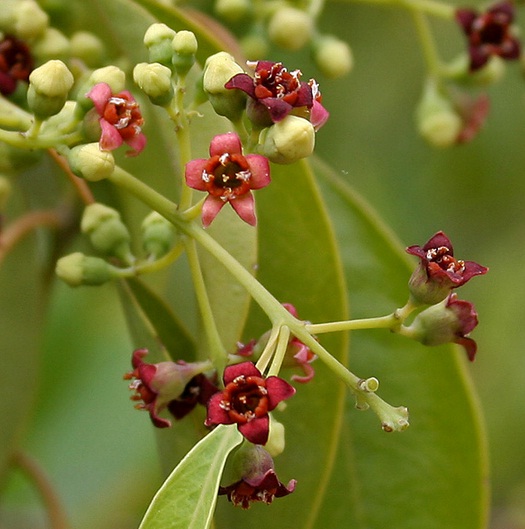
<point x="290" y="28"/>
<point x="8" y="16"/>
<point x="437" y="121"/>
<point x="31" y="21"/>
<point x="254" y="46"/>
<point x="49" y="86"/>
<point x="87" y="47"/>
<point x="107" y="233"/>
<point x="157" y="235"/>
<point x="288" y="140"/>
<point x="333" y="56"/>
<point x="154" y="79"/>
<point x="89" y="162"/>
<point x="185" y="46"/>
<point x="111" y="75"/>
<point x="218" y="70"/>
<point x="53" y="44"/>
<point x="78" y="269"/>
<point x="158" y="39"/>
<point x="232" y="10"/>
<point x="276" y="438"/>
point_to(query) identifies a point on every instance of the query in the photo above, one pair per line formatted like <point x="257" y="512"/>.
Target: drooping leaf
<point x="187" y="498"/>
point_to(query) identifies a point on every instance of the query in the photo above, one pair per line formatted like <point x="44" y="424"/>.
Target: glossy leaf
<point x="187" y="498"/>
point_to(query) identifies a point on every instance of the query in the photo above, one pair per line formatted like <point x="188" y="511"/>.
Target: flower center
<point x="445" y="260"/>
<point x="227" y="176"/>
<point x="277" y="82"/>
<point x="245" y="398"/>
<point x="124" y="115"/>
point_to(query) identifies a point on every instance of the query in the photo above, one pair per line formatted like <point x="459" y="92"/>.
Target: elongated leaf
<point x="390" y="480"/>
<point x="187" y="498"/>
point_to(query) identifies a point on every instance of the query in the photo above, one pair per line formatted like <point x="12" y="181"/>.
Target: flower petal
<point x="260" y="169"/>
<point x="257" y="430"/>
<point x="225" y="143"/>
<point x="100" y="94"/>
<point x="242" y="81"/>
<point x="216" y="414"/>
<point x="193" y="174"/>
<point x="211" y="207"/>
<point x="278" y="390"/>
<point x="246" y="369"/>
<point x="110" y="139"/>
<point x="318" y="115"/>
<point x="137" y="144"/>
<point x="244" y="206"/>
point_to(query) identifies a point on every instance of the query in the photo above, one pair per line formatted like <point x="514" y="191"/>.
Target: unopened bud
<point x="232" y="10"/>
<point x="157" y="234"/>
<point x="31" y="21"/>
<point x="49" y="86"/>
<point x="107" y="233"/>
<point x="89" y="162"/>
<point x="154" y="80"/>
<point x="78" y="269"/>
<point x="53" y="44"/>
<point x="333" y="57"/>
<point x="254" y="46"/>
<point x="185" y="46"/>
<point x="437" y="120"/>
<point x="87" y="47"/>
<point x="276" y="438"/>
<point x="290" y="28"/>
<point x="288" y="141"/>
<point x="158" y="39"/>
<point x="218" y="70"/>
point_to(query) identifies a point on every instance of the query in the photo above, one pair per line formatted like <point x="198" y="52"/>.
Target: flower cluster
<point x="432" y="282"/>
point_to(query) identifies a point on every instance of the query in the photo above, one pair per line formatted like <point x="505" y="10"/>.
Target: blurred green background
<point x="85" y="431"/>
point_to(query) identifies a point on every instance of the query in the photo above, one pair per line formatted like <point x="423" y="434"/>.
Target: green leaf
<point x="187" y="498"/>
<point x="298" y="263"/>
<point x="390" y="480"/>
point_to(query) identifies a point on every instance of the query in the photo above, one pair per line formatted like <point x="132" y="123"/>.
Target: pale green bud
<point x="107" y="233"/>
<point x="53" y="44"/>
<point x="276" y="438"/>
<point x="254" y="46"/>
<point x="89" y="162"/>
<point x="436" y="118"/>
<point x="49" y="86"/>
<point x="333" y="56"/>
<point x="157" y="234"/>
<point x="232" y="10"/>
<point x="111" y="75"/>
<point x="288" y="140"/>
<point x="87" y="47"/>
<point x="218" y="70"/>
<point x="154" y="80"/>
<point x="78" y="269"/>
<point x="185" y="46"/>
<point x="492" y="72"/>
<point x="30" y="21"/>
<point x="8" y="16"/>
<point x="290" y="28"/>
<point x="158" y="39"/>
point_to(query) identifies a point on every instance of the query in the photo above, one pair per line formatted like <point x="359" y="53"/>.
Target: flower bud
<point x="158" y="39"/>
<point x="154" y="80"/>
<point x="437" y="121"/>
<point x="232" y="10"/>
<point x="31" y="21"/>
<point x="111" y="75"/>
<point x="276" y="439"/>
<point x="49" y="86"/>
<point x="446" y="322"/>
<point x="87" y="47"/>
<point x="333" y="56"/>
<point x="89" y="162"/>
<point x="53" y="44"/>
<point x="288" y="140"/>
<point x="218" y="70"/>
<point x="255" y="46"/>
<point x="108" y="234"/>
<point x="157" y="234"/>
<point x="185" y="46"/>
<point x="78" y="269"/>
<point x="290" y="28"/>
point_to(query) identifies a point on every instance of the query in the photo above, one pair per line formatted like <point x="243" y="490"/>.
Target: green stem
<point x="22" y="141"/>
<point x="430" y="7"/>
<point x="218" y="354"/>
<point x="280" y="351"/>
<point x="153" y="266"/>
<point x="427" y="41"/>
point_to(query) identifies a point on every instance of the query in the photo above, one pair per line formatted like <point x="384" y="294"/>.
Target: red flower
<point x="16" y="64"/>
<point x="439" y="271"/>
<point x="259" y="481"/>
<point x="246" y="400"/>
<point x="274" y="92"/>
<point x="467" y="320"/>
<point x="120" y="119"/>
<point x="228" y="176"/>
<point x="489" y="33"/>
<point x="157" y="386"/>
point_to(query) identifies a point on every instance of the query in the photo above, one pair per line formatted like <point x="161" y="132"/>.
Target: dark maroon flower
<point x="228" y="176"/>
<point x="156" y="386"/>
<point x="439" y="271"/>
<point x="447" y="322"/>
<point x="198" y="390"/>
<point x="120" y="119"/>
<point x="274" y="92"/>
<point x="259" y="481"/>
<point x="246" y="400"/>
<point x="16" y="63"/>
<point x="489" y="33"/>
